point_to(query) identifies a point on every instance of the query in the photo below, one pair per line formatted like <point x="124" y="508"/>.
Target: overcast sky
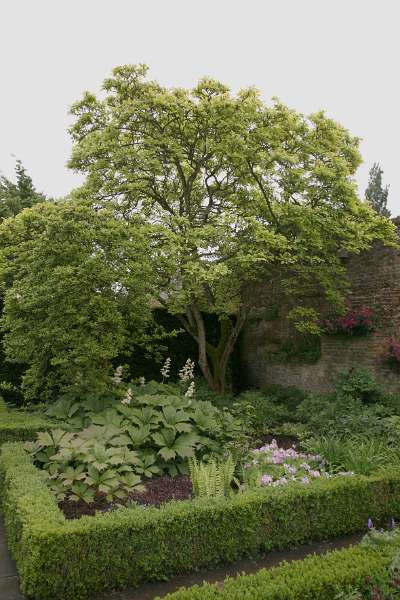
<point x="339" y="55"/>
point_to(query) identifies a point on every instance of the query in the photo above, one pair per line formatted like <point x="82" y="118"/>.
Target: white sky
<point x="340" y="55"/>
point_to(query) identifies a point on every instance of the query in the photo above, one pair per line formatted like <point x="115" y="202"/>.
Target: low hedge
<point x="76" y="559"/>
<point x="17" y="425"/>
<point x="313" y="578"/>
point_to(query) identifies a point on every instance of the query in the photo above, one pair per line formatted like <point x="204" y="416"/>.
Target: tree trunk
<point x="202" y="346"/>
<point x="213" y="360"/>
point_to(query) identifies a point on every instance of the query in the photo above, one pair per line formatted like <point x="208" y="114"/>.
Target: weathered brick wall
<point x="374" y="282"/>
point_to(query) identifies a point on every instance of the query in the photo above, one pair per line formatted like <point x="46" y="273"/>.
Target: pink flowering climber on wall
<point x="355" y="322"/>
<point x="394" y="351"/>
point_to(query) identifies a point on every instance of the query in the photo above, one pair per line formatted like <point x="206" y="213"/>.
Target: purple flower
<point x="266" y="480"/>
<point x="392" y="523"/>
<point x="305" y="480"/>
<point x="289" y="469"/>
<point x="370" y="524"/>
<point x="305" y="466"/>
<point x="314" y="473"/>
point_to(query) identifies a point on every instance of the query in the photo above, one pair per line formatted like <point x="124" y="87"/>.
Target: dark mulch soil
<point x="164" y="489"/>
<point x="158" y="491"/>
<point x="283" y="441"/>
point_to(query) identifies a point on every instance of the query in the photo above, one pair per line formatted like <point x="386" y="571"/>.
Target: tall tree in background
<point x="376" y="194"/>
<point x="14" y="197"/>
<point x="232" y="190"/>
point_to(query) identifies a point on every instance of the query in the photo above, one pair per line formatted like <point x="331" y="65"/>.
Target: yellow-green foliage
<point x="314" y="578"/>
<point x="212" y="479"/>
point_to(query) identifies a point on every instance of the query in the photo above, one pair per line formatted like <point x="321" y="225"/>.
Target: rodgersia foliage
<point x="106" y="445"/>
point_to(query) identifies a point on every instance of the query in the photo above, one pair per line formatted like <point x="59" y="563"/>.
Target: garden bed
<point x="158" y="491"/>
<point x="122" y="548"/>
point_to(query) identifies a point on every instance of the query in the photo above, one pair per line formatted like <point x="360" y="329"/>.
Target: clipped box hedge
<point x="313" y="578"/>
<point x="18" y="425"/>
<point x="62" y="559"/>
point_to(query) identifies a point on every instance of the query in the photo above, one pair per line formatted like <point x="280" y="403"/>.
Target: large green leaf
<point x="167" y="453"/>
<point x="108" y="417"/>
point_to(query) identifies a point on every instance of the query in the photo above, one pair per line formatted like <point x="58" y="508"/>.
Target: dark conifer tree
<point x="376" y="194"/>
<point x="14" y="197"/>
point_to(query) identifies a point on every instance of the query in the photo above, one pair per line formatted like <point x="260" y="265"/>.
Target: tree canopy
<point x="376" y="194"/>
<point x="232" y="189"/>
<point x="75" y="279"/>
<point x="14" y="197"/>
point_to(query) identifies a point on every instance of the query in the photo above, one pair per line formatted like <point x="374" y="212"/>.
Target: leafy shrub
<point x="299" y="431"/>
<point x="212" y="479"/>
<point x="263" y="411"/>
<point x="289" y="396"/>
<point x="358" y="405"/>
<point x="19" y="425"/>
<point x="203" y="392"/>
<point x="391" y="430"/>
<point x="358" y="383"/>
<point x="332" y="576"/>
<point x="330" y="415"/>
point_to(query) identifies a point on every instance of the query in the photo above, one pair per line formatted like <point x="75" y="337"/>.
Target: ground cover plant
<point x="274" y="466"/>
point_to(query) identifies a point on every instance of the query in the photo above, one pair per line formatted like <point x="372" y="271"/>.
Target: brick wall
<point x="374" y="282"/>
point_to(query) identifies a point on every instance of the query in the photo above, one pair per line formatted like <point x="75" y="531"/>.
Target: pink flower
<point x="314" y="473"/>
<point x="266" y="480"/>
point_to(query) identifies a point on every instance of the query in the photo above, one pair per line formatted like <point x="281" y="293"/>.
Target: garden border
<point x="62" y="559"/>
<point x="313" y="578"/>
<point x="18" y="426"/>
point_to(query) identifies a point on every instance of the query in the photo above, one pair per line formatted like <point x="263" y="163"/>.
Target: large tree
<point x="376" y="194"/>
<point x="75" y="282"/>
<point x="15" y="196"/>
<point x="233" y="191"/>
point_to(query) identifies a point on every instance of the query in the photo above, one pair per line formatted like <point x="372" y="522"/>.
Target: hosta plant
<point x="160" y="421"/>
